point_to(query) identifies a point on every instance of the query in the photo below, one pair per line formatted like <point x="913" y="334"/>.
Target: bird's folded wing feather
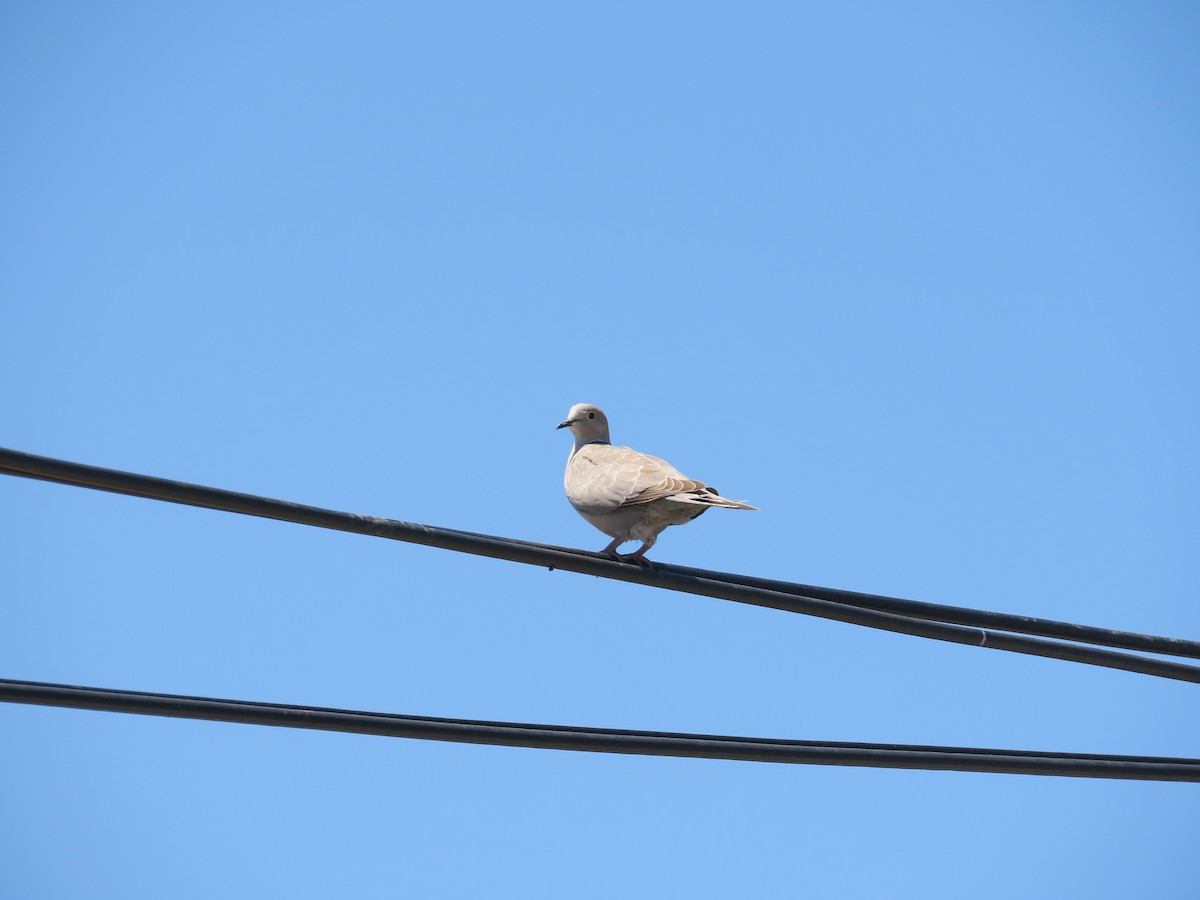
<point x="602" y="477"/>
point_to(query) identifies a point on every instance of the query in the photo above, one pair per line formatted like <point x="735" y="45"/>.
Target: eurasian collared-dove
<point x="630" y="496"/>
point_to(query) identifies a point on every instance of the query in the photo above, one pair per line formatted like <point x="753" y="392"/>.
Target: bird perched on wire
<point x="628" y="495"/>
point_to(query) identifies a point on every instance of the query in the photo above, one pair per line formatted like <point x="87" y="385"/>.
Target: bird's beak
<point x="566" y="424"/>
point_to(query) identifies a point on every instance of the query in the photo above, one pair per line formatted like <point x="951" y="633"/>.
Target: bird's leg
<point x="640" y="556"/>
<point x="611" y="549"/>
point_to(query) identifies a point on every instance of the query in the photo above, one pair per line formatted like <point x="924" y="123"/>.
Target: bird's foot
<point x="639" y="558"/>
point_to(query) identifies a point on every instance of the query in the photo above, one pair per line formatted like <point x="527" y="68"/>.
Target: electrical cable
<point x="704" y="583"/>
<point x="645" y="743"/>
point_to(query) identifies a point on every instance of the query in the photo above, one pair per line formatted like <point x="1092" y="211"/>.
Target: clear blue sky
<point x="919" y="280"/>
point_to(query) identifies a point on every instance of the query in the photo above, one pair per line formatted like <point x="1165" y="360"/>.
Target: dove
<point x="628" y="495"/>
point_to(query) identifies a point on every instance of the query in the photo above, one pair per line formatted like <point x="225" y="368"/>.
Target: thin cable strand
<point x="599" y="740"/>
<point x="673" y="578"/>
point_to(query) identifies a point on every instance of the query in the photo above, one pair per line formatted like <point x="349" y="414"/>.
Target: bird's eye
<point x="591" y="415"/>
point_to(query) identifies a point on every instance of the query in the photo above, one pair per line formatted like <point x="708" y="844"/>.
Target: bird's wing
<point x="601" y="477"/>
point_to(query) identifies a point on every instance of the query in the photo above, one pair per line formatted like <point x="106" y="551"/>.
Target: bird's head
<point x="587" y="422"/>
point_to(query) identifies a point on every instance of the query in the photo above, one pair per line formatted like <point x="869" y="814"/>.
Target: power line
<point x="961" y="615"/>
<point x="741" y="589"/>
<point x="600" y="740"/>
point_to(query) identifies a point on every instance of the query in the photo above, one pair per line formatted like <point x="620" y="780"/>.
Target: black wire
<point x="674" y="578"/>
<point x="644" y="743"/>
<point x="960" y="615"/>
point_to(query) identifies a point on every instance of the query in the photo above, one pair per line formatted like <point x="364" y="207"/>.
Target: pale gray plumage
<point x="628" y="495"/>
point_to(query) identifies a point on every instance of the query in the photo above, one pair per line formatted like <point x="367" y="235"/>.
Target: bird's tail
<point x="708" y="496"/>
